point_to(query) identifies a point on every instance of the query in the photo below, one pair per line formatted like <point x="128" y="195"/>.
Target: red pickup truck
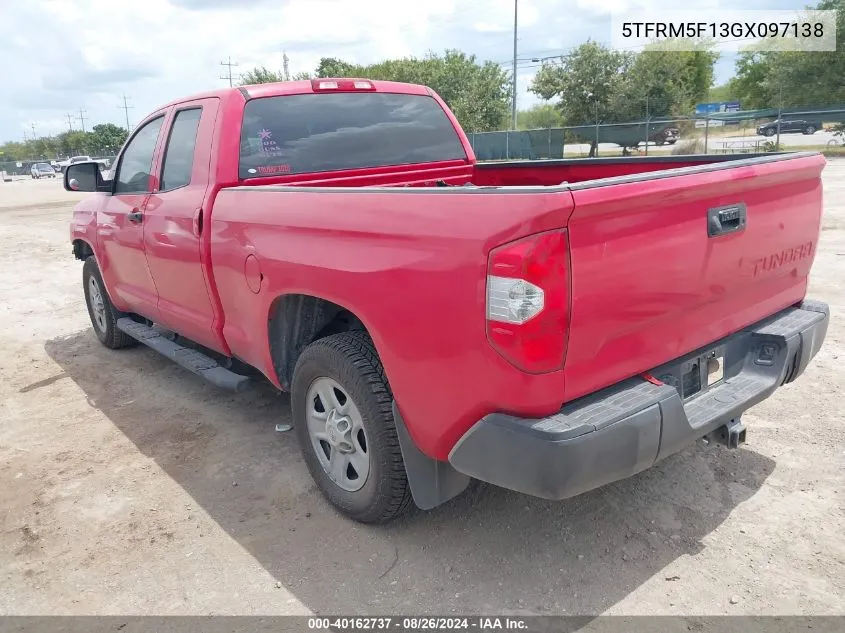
<point x="545" y="326"/>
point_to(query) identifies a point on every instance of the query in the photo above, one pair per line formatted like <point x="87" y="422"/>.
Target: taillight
<point x="528" y="301"/>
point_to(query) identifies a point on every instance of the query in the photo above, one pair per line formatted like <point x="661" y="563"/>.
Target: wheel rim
<point x="98" y="306"/>
<point x="337" y="434"/>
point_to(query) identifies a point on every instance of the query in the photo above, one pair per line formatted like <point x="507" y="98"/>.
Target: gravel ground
<point x="129" y="486"/>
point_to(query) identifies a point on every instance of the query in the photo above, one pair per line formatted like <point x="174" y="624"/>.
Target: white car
<point x="103" y="162"/>
<point x="42" y="170"/>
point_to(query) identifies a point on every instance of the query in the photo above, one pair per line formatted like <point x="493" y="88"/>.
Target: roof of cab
<point x="257" y="91"/>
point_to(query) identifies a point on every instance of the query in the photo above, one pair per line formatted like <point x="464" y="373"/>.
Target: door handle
<point x="197" y="223"/>
<point x="135" y="216"/>
<point x="724" y="220"/>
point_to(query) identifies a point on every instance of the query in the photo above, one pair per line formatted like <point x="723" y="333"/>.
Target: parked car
<point x="787" y="126"/>
<point x="42" y="170"/>
<point x="104" y="163"/>
<point x="668" y="135"/>
<point x="547" y="326"/>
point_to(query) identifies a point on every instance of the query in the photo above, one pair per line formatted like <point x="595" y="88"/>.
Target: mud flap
<point x="432" y="482"/>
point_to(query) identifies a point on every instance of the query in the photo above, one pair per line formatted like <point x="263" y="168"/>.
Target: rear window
<point x="297" y="134"/>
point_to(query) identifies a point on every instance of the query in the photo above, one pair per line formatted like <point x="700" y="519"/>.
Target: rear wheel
<point x="342" y="409"/>
<point x="103" y="314"/>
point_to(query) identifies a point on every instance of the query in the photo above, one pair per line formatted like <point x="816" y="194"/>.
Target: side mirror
<point x="85" y="177"/>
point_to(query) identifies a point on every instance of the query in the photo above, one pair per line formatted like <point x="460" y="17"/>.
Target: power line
<point x="230" y="64"/>
<point x="82" y="118"/>
<point x="125" y="107"/>
<point x="69" y="117"/>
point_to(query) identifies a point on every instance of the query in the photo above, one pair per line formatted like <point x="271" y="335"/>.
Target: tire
<point x="672" y="142"/>
<point x="349" y="360"/>
<point x="769" y="132"/>
<point x="105" y="325"/>
<point x="810" y="129"/>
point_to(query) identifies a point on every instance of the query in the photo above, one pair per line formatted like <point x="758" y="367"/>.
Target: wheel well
<point x="82" y="249"/>
<point x="297" y="320"/>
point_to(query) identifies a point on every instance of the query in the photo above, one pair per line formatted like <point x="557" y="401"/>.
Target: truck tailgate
<point x="665" y="263"/>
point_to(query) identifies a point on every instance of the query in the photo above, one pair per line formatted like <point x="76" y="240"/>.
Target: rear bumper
<point x="625" y="428"/>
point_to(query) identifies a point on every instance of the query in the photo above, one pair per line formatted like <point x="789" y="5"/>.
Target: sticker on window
<point x="269" y="170"/>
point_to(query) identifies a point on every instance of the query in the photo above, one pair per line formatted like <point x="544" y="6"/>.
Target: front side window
<point x="179" y="153"/>
<point x="297" y="134"/>
<point x="133" y="173"/>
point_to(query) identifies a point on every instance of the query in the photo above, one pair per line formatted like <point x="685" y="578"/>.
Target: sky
<point x="60" y="56"/>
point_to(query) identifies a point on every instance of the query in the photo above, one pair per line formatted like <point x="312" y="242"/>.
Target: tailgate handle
<point x="727" y="219"/>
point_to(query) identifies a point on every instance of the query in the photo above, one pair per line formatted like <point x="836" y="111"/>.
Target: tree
<point x="725" y="92"/>
<point x="585" y="82"/>
<point x="595" y="84"/>
<point x="260" y="75"/>
<point x="750" y="84"/>
<point x="794" y="78"/>
<point x="332" y="67"/>
<point x="478" y="93"/>
<point x="107" y="138"/>
<point x="665" y="82"/>
<point x="541" y="116"/>
<point x="75" y="142"/>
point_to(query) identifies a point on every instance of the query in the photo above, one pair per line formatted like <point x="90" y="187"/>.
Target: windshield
<point x="44" y="166"/>
<point x="296" y="134"/>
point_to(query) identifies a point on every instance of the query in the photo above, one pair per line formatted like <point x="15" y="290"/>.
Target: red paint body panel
<point x="648" y="285"/>
<point x="645" y="283"/>
<point x="172" y="242"/>
<point x="411" y="264"/>
<point x="548" y="173"/>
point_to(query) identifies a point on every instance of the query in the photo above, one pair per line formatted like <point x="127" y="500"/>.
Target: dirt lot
<point x="128" y="486"/>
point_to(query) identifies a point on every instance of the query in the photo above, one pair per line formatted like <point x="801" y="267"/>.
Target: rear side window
<point x="179" y="154"/>
<point x="298" y="134"/>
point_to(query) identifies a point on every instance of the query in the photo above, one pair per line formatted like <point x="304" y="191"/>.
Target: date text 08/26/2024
<point x="414" y="623"/>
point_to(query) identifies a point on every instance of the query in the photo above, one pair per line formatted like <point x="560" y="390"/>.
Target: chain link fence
<point x="748" y="131"/>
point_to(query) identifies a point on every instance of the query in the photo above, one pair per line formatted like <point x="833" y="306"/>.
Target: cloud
<point x="88" y="53"/>
<point x="96" y="79"/>
<point x="212" y="5"/>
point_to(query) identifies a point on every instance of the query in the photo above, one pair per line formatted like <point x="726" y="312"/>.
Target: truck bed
<point x="646" y="281"/>
<point x="554" y="172"/>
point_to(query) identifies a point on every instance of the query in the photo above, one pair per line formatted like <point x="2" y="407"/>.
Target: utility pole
<point x="82" y="118"/>
<point x="285" y="65"/>
<point x="32" y="125"/>
<point x="228" y="76"/>
<point x="125" y="107"/>
<point x="69" y="117"/>
<point x="513" y="87"/>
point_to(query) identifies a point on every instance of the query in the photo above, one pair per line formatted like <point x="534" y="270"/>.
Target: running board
<point x="191" y="359"/>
